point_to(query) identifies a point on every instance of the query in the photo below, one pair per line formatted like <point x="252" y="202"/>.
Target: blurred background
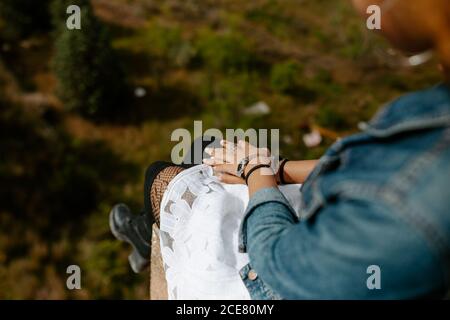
<point x="83" y="112"/>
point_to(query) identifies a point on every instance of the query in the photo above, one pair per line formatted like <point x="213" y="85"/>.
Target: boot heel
<point x="137" y="262"/>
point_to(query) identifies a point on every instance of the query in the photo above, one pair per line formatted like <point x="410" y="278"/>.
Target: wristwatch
<point x="241" y="167"/>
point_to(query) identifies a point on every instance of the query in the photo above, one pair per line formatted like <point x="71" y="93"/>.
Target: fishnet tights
<point x="158" y="188"/>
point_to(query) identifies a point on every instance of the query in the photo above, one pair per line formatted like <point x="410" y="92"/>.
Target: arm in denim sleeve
<point x="327" y="257"/>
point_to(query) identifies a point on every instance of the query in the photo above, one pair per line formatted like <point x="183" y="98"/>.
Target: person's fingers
<point x="233" y="153"/>
<point x="238" y="152"/>
<point x="210" y="161"/>
<point x="230" y="179"/>
<point x="247" y="147"/>
<point x="230" y="151"/>
<point x="212" y="151"/>
<point x="223" y="155"/>
<point x="214" y="161"/>
<point x="209" y="151"/>
<point x="225" y="143"/>
<point x="216" y="155"/>
<point x="250" y="149"/>
<point x="229" y="154"/>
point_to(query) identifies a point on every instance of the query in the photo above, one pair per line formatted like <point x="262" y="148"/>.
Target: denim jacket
<point x="375" y="217"/>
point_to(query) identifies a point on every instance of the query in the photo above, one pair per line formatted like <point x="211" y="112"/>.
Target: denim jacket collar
<point x="417" y="111"/>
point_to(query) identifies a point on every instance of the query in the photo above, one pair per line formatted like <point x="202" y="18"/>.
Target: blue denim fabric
<point x="380" y="197"/>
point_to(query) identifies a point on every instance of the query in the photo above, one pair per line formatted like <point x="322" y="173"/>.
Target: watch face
<point x="241" y="166"/>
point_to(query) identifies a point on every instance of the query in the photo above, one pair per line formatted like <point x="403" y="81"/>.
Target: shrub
<point x="91" y="80"/>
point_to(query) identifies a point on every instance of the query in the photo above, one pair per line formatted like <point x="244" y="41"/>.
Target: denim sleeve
<point x="263" y="197"/>
<point x="333" y="255"/>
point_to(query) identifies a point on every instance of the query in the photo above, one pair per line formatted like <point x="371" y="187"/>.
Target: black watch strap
<point x="281" y="171"/>
<point x="259" y="166"/>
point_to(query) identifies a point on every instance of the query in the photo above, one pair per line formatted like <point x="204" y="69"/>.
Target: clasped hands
<point x="226" y="159"/>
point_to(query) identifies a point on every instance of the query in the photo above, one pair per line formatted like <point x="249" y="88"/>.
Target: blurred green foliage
<point x="51" y="186"/>
<point x="227" y="52"/>
<point x="90" y="78"/>
<point x="284" y="76"/>
<point x="332" y="119"/>
<point x="228" y="97"/>
<point x="273" y="16"/>
<point x="160" y="42"/>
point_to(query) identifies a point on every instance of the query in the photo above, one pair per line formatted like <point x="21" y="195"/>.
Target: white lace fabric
<point x="200" y="219"/>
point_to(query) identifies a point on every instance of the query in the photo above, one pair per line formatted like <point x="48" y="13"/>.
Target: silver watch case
<point x="241" y="167"/>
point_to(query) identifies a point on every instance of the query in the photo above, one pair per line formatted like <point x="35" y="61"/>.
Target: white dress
<point x="200" y="219"/>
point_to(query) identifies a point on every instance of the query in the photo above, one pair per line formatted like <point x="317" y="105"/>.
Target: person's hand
<point x="225" y="160"/>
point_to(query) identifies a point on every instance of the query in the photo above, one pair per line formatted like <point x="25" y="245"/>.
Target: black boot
<point x="137" y="231"/>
